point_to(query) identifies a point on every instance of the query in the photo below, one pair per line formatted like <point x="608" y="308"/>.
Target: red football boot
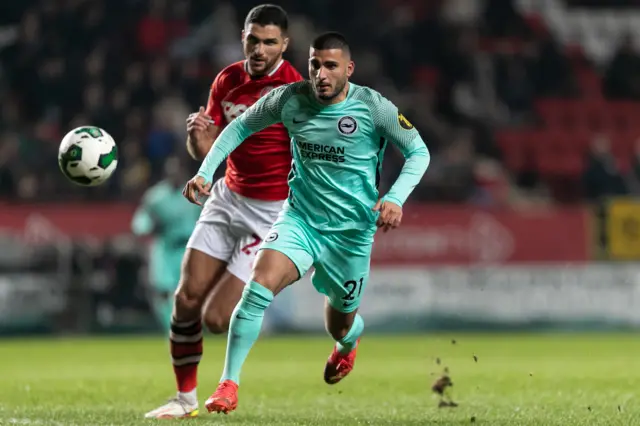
<point x="339" y="365"/>
<point x="224" y="399"/>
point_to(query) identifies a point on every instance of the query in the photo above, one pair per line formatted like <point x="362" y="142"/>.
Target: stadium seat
<point x="598" y="31"/>
<point x="513" y="145"/>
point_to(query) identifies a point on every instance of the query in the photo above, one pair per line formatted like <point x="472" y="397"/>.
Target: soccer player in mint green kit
<point x="339" y="132"/>
<point x="169" y="219"/>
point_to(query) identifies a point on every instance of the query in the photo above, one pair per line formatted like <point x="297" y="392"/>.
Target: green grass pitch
<point x="516" y="379"/>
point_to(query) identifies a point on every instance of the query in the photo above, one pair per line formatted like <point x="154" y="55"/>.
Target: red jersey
<point x="259" y="167"/>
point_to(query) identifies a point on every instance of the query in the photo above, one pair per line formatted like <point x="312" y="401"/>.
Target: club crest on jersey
<point x="404" y="123"/>
<point x="232" y="111"/>
<point x="266" y="90"/>
<point x="271" y="237"/>
<point x="347" y="125"/>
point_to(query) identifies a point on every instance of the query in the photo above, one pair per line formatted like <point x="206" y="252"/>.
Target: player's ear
<point x="351" y="67"/>
<point x="285" y="44"/>
<point x="242" y="35"/>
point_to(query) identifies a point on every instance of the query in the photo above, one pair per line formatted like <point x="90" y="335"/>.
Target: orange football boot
<point x="339" y="365"/>
<point x="224" y="399"/>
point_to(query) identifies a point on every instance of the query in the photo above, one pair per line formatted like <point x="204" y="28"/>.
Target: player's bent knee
<point x="216" y="322"/>
<point x="190" y="295"/>
<point x="186" y="301"/>
<point x="199" y="273"/>
<point x="223" y="299"/>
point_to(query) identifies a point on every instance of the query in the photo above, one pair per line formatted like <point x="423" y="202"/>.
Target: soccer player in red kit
<point x="240" y="208"/>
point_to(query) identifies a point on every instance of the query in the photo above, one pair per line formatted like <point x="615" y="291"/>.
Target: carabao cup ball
<point x="88" y="156"/>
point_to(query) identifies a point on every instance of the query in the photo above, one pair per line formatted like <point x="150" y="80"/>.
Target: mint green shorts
<point x="341" y="259"/>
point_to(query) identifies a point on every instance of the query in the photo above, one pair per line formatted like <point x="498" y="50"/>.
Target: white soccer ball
<point x="88" y="156"/>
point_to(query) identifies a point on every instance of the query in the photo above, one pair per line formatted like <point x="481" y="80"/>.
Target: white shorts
<point x="231" y="228"/>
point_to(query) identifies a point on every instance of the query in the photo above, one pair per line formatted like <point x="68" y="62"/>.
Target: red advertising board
<point x="458" y="235"/>
<point x="429" y="234"/>
<point x="72" y="220"/>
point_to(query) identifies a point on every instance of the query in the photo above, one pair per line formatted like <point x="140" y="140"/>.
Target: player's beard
<point x="339" y="88"/>
<point x="265" y="68"/>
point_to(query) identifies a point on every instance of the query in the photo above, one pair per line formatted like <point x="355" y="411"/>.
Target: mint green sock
<point x="350" y="341"/>
<point x="244" y="328"/>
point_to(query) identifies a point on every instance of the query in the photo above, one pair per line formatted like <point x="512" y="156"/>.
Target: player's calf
<point x="272" y="272"/>
<point x="216" y="321"/>
<point x="198" y="275"/>
<point x="245" y="325"/>
<point x="199" y="272"/>
<point x="221" y="303"/>
<point x="338" y="324"/>
<point x="185" y="341"/>
<point x="346" y="329"/>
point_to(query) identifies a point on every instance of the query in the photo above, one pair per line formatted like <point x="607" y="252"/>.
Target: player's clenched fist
<point x="390" y="215"/>
<point x="198" y="121"/>
<point x="196" y="188"/>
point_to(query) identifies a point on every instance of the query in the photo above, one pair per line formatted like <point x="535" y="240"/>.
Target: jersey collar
<point x="276" y="68"/>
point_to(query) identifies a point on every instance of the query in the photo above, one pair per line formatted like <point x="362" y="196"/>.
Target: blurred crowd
<point x="138" y="67"/>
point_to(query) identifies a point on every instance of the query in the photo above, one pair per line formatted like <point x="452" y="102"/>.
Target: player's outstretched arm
<point x="262" y="114"/>
<point x="393" y="126"/>
<point x="416" y="162"/>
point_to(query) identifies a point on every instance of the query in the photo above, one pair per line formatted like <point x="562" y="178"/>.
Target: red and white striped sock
<point x="186" y="352"/>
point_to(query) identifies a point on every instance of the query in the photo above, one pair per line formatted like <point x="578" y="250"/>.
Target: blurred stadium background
<point x="531" y="110"/>
<point x="527" y="219"/>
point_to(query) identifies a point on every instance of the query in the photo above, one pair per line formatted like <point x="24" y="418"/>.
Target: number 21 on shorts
<point x="354" y="288"/>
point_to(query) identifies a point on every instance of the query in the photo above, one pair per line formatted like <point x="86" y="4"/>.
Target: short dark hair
<point x="331" y="40"/>
<point x="268" y="14"/>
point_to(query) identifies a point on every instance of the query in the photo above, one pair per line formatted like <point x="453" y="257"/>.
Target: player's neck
<point x="337" y="99"/>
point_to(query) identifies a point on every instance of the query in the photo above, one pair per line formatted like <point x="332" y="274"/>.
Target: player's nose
<point x="259" y="49"/>
<point x="322" y="75"/>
